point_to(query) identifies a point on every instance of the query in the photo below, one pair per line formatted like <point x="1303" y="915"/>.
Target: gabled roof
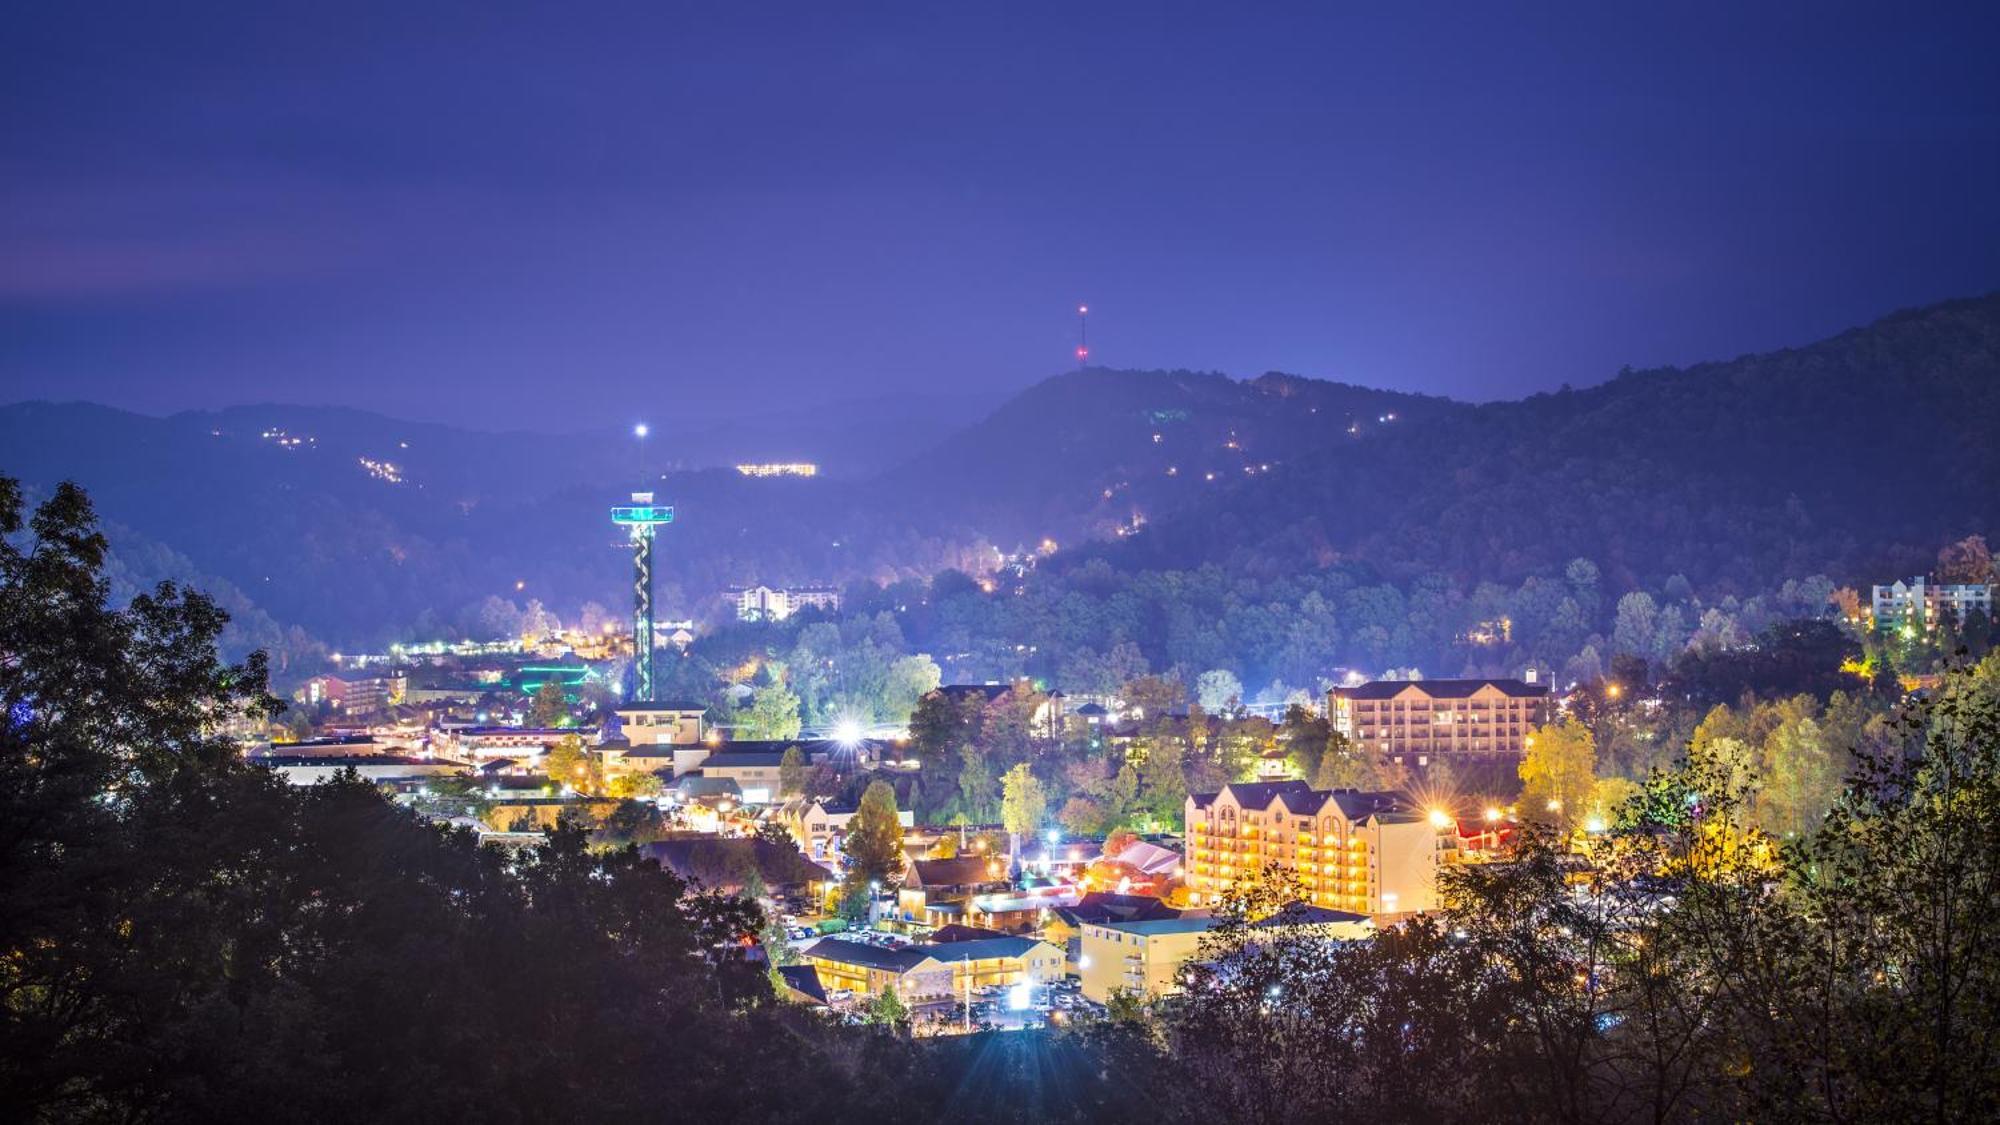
<point x="742" y="759"/>
<point x="959" y="931"/>
<point x="985" y="949"/>
<point x="1257" y="794"/>
<point x="1100" y="908"/>
<point x="1149" y="858"/>
<point x="804" y="980"/>
<point x="1186" y="924"/>
<point x="1443" y="689"/>
<point x="867" y="956"/>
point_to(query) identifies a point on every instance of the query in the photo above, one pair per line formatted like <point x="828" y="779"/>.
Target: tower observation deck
<point x="640" y="518"/>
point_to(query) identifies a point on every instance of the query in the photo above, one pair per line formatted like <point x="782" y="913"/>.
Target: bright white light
<point x="847" y="732"/>
<point x="1021" y="997"/>
<point x="641" y="430"/>
<point x="1053" y="836"/>
<point x="1594" y="824"/>
<point x="1083" y="962"/>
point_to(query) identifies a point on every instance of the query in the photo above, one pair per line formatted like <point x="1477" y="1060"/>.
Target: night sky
<point x="593" y="212"/>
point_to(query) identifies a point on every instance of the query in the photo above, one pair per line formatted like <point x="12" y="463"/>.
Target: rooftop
<point x="1443" y="689"/>
<point x="1153" y="927"/>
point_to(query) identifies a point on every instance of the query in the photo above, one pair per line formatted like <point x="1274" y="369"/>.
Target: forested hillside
<point x="1855" y="458"/>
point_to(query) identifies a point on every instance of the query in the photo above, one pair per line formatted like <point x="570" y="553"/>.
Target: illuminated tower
<point x="1082" y="336"/>
<point x="640" y="519"/>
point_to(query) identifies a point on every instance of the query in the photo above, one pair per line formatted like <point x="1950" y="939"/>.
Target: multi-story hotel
<point x="1417" y="719"/>
<point x="775" y="603"/>
<point x="1920" y="603"/>
<point x="1362" y="852"/>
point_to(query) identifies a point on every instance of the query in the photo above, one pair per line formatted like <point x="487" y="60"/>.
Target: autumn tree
<point x="1023" y="806"/>
<point x="569" y="763"/>
<point x="1558" y="773"/>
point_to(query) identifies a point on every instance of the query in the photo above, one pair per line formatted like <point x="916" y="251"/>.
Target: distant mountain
<point x="1856" y="456"/>
<point x="1086" y="453"/>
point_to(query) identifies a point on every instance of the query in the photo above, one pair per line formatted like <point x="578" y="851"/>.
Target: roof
<point x="1443" y="689"/>
<point x="959" y="931"/>
<point x="867" y="956"/>
<point x="677" y="705"/>
<point x="1301" y="799"/>
<point x="1257" y="795"/>
<point x="320" y="743"/>
<point x="1149" y="858"/>
<point x="988" y="692"/>
<point x="738" y="759"/>
<point x="694" y="787"/>
<point x="960" y="871"/>
<point x="275" y="760"/>
<point x="1098" y="907"/>
<point x="984" y="949"/>
<point x="1153" y="927"/>
<point x="804" y="980"/>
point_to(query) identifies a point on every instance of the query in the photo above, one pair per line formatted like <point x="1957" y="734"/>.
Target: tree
<point x="1966" y="561"/>
<point x="1219" y="690"/>
<point x="887" y="1009"/>
<point x="1022" y="809"/>
<point x="629" y="786"/>
<point x="549" y="707"/>
<point x="774" y="714"/>
<point x="874" y="845"/>
<point x="792" y="773"/>
<point x="569" y="763"/>
<point x="1558" y="773"/>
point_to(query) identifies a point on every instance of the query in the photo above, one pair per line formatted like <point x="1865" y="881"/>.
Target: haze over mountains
<point x="1855" y="457"/>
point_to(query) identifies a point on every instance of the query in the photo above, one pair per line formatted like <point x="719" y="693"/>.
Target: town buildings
<point x="1919" y="603"/>
<point x="939" y="972"/>
<point x="775" y="603"/>
<point x="1354" y="851"/>
<point x="1139" y="957"/>
<point x="1416" y="720"/>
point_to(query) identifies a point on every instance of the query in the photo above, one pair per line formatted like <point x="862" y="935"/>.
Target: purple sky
<point x="606" y="211"/>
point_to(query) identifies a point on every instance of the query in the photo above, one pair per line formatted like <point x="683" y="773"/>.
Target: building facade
<point x="1416" y="720"/>
<point x="1139" y="957"/>
<point x="1919" y="603"/>
<point x="775" y="603"/>
<point x="1362" y="852"/>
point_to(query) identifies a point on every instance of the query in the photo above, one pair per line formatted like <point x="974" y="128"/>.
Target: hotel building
<point x="1367" y="853"/>
<point x="1413" y="720"/>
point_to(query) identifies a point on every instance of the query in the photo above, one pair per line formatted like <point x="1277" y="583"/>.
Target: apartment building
<point x="1415" y="720"/>
<point x="775" y="603"/>
<point x="1368" y="853"/>
<point x="1920" y="603"/>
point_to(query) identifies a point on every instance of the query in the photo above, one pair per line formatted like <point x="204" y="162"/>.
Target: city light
<point x="848" y="733"/>
<point x="1021" y="997"/>
<point x="641" y="430"/>
<point x="1492" y="815"/>
<point x="1440" y="819"/>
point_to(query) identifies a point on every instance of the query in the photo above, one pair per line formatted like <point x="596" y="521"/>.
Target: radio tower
<point x="640" y="519"/>
<point x="1082" y="336"/>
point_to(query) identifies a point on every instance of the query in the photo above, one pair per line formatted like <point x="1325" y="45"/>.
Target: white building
<point x="775" y="603"/>
<point x="1917" y="602"/>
